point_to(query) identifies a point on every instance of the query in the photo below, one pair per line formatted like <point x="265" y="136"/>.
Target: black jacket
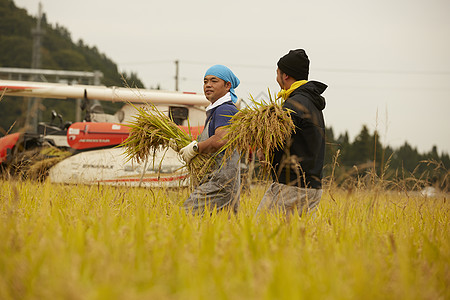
<point x="300" y="162"/>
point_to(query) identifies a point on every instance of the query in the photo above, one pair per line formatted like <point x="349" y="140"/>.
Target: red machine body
<point x="7" y="142"/>
<point x="87" y="135"/>
<point x="195" y="130"/>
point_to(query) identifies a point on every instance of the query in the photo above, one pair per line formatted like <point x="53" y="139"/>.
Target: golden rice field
<point x="99" y="242"/>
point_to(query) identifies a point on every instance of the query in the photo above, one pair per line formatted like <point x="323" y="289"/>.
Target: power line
<point x="147" y="62"/>
<point x="399" y="72"/>
<point x="331" y="70"/>
<point x="230" y="64"/>
<point x="336" y="70"/>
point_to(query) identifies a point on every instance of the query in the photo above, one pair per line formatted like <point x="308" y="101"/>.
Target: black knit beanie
<point x="295" y="64"/>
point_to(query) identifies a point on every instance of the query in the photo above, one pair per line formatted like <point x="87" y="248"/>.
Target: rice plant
<point x="34" y="164"/>
<point x="263" y="125"/>
<point x="100" y="242"/>
<point x="152" y="130"/>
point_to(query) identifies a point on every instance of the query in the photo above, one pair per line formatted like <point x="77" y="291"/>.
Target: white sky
<point x="386" y="62"/>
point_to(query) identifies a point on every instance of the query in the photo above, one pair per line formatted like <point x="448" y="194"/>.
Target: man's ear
<point x="228" y="85"/>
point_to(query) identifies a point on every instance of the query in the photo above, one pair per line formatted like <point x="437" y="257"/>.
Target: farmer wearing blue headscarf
<point x="220" y="188"/>
<point x="226" y="75"/>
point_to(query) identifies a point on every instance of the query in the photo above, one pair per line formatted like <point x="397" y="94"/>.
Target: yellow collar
<point x="285" y="94"/>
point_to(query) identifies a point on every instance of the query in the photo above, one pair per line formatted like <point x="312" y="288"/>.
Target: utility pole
<point x="37" y="34"/>
<point x="34" y="103"/>
<point x="176" y="74"/>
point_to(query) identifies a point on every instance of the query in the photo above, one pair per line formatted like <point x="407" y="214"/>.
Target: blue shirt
<point x="220" y="116"/>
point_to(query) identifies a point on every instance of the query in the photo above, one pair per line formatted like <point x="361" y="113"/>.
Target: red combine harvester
<point x="91" y="152"/>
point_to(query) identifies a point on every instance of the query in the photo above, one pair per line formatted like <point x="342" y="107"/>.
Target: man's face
<point x="280" y="78"/>
<point x="215" y="88"/>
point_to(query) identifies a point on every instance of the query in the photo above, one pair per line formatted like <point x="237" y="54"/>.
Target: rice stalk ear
<point x="264" y="125"/>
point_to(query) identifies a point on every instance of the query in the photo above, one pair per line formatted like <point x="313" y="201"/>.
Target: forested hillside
<point x="58" y="52"/>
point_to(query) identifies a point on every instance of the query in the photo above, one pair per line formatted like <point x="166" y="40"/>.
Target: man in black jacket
<point x="297" y="167"/>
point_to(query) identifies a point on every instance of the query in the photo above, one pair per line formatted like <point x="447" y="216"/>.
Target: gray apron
<point x="220" y="189"/>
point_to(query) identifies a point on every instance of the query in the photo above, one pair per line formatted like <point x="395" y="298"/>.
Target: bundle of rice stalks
<point x="263" y="125"/>
<point x="36" y="163"/>
<point x="152" y="130"/>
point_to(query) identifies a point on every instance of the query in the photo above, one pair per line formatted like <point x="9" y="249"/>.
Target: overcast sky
<point x="386" y="62"/>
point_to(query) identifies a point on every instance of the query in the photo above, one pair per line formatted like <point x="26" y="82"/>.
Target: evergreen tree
<point x="132" y="80"/>
<point x="331" y="146"/>
<point x="361" y="150"/>
<point x="406" y="158"/>
<point x="343" y="142"/>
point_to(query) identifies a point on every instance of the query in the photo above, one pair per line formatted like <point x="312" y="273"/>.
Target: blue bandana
<point x="227" y="75"/>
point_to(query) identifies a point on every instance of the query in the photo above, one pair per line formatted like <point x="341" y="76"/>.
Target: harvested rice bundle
<point x="264" y="125"/>
<point x="152" y="130"/>
<point x="41" y="162"/>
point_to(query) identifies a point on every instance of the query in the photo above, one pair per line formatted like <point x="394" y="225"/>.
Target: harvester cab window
<point x="178" y="114"/>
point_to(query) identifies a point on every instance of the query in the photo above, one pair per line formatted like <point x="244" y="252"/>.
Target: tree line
<point x="367" y="157"/>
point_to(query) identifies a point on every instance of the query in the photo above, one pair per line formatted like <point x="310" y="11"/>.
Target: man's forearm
<point x="214" y="143"/>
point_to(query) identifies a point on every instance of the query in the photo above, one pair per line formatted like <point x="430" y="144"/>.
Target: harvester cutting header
<point x="119" y="94"/>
